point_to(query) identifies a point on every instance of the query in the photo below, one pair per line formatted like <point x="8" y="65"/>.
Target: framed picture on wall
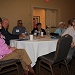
<point x="36" y="19"/>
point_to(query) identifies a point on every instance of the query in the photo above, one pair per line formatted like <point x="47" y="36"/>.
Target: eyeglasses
<point x="20" y="23"/>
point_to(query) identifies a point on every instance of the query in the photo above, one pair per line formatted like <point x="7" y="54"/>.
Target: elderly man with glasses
<point x="19" y="29"/>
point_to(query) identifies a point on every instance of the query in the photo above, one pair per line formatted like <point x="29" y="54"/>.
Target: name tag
<point x="17" y="30"/>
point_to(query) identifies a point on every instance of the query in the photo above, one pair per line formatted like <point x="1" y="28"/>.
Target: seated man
<point x="71" y="31"/>
<point x="61" y="28"/>
<point x="7" y="35"/>
<point x="19" y="29"/>
<point x="38" y="29"/>
<point x="7" y="53"/>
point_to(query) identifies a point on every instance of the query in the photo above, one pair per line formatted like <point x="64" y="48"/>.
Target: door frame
<point x="45" y="8"/>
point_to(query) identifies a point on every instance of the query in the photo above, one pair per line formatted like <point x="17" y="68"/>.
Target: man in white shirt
<point x="71" y="31"/>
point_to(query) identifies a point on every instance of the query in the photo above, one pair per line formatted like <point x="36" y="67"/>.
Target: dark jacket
<point x="8" y="36"/>
<point x="44" y="32"/>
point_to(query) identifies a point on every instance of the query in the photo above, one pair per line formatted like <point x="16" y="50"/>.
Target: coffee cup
<point x="31" y="37"/>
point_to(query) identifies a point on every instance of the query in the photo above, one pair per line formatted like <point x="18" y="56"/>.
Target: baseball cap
<point x="61" y="23"/>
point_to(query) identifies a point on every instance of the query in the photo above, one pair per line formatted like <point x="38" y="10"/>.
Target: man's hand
<point x="21" y="36"/>
<point x="12" y="48"/>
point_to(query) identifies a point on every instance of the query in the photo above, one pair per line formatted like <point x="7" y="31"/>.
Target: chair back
<point x="62" y="49"/>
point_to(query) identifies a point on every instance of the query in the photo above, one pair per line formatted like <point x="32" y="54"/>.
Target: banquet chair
<point x="49" y="60"/>
<point x="73" y="58"/>
<point x="7" y="66"/>
<point x="73" y="55"/>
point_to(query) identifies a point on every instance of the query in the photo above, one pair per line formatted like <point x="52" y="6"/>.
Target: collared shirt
<point x="59" y="31"/>
<point x="4" y="49"/>
<point x="17" y="31"/>
<point x="71" y="32"/>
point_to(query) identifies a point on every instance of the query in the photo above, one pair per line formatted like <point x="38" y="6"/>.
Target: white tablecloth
<point x="36" y="47"/>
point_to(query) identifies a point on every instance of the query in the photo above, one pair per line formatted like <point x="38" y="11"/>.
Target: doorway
<point x="48" y="18"/>
<point x="37" y="12"/>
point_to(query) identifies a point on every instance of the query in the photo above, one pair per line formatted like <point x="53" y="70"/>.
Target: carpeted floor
<point x="60" y="71"/>
<point x="57" y="71"/>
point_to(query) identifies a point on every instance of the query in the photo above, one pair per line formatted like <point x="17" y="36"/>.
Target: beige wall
<point x="22" y="9"/>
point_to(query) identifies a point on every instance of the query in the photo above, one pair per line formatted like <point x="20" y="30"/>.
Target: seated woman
<point x="38" y="29"/>
<point x="61" y="28"/>
<point x="7" y="53"/>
